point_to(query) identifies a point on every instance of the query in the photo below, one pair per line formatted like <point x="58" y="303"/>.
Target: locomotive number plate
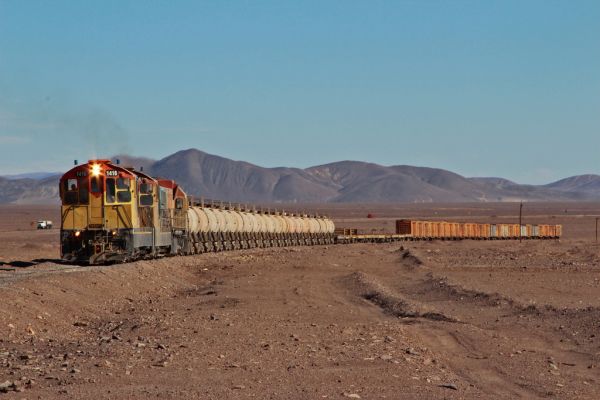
<point x="112" y="173"/>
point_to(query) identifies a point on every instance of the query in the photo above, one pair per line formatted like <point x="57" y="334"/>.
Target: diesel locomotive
<point x="114" y="214"/>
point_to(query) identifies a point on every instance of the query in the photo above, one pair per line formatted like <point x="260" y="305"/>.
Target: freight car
<point x="115" y="214"/>
<point x="441" y="230"/>
<point x="407" y="230"/>
<point x="457" y="230"/>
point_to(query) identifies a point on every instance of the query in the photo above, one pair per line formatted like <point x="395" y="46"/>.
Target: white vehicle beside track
<point x="44" y="224"/>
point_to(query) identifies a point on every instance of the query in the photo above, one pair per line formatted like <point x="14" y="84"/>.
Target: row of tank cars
<point x="113" y="214"/>
<point x="235" y="228"/>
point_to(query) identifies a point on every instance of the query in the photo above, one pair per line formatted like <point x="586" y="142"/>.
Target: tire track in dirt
<point x="486" y="347"/>
<point x="439" y="331"/>
<point x="576" y="325"/>
<point x="370" y="289"/>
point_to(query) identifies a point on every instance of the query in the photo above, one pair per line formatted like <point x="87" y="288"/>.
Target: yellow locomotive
<point x="111" y="213"/>
<point x="116" y="214"/>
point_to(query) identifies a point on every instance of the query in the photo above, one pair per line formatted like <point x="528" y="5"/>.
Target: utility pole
<point x="521" y="222"/>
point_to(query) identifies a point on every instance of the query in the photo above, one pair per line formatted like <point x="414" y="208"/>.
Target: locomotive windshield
<point x="96" y="184"/>
<point x="118" y="190"/>
<point x="123" y="190"/>
<point x="111" y="190"/>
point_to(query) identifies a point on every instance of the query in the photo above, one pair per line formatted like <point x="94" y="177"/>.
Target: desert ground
<point x="410" y="320"/>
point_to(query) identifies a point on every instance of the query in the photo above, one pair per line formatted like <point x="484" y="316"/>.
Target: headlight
<point x="96" y="169"/>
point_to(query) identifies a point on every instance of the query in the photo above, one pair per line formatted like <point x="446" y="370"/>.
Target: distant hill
<point x="215" y="177"/>
<point x="31" y="175"/>
<point x="29" y="191"/>
<point x="581" y="183"/>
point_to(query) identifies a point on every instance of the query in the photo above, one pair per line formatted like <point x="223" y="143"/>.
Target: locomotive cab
<point x="112" y="214"/>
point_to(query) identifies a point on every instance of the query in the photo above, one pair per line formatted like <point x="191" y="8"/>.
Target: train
<point x="111" y="213"/>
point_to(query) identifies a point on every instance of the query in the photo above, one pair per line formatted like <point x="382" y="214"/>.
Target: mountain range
<point x="214" y="177"/>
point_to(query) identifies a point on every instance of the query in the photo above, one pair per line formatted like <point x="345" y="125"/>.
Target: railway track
<point x="347" y="239"/>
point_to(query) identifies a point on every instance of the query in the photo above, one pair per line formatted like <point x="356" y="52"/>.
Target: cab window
<point x="179" y="203"/>
<point x="111" y="190"/>
<point x="72" y="185"/>
<point x="118" y="190"/>
<point x="70" y="192"/>
<point x="146" y="198"/>
<point x="123" y="184"/>
<point x="123" y="190"/>
<point x="96" y="184"/>
<point x="75" y="191"/>
<point x="84" y="194"/>
<point x="123" y="196"/>
<point x="162" y="204"/>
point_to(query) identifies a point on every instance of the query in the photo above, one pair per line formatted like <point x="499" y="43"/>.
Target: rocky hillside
<point x="29" y="191"/>
<point x="215" y="177"/>
<point x="582" y="183"/>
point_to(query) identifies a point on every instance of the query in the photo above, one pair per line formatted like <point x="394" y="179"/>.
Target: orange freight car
<point x="486" y="231"/>
<point x="435" y="230"/>
<point x="469" y="230"/>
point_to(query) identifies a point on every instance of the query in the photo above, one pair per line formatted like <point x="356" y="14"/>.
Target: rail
<point x="388" y="238"/>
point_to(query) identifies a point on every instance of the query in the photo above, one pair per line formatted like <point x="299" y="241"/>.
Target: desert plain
<point x="405" y="320"/>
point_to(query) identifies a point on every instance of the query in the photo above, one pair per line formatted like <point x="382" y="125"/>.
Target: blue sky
<point x="483" y="88"/>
